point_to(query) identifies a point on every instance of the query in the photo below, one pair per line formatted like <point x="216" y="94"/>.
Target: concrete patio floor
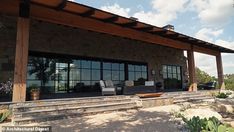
<point x="144" y="120"/>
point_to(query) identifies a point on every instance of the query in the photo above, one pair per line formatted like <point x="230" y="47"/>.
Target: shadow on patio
<point x="132" y="120"/>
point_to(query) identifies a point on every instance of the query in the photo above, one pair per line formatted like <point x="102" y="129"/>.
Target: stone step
<point x="189" y="96"/>
<point x="64" y="100"/>
<point x="192" y="99"/>
<point x="57" y="105"/>
<point x="185" y="93"/>
<point x="71" y="114"/>
<point x="68" y="109"/>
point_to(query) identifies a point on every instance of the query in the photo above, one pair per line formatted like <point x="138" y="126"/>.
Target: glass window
<point x="122" y="67"/>
<point x="137" y="75"/>
<point x="96" y="75"/>
<point x="144" y="68"/>
<point x="144" y="75"/>
<point x="106" y="74"/>
<point x="115" y="75"/>
<point x="174" y="69"/>
<point x="137" y="68"/>
<point x="115" y="66"/>
<point x="169" y="69"/>
<point x="135" y="72"/>
<point x="164" y="68"/>
<point x="107" y="66"/>
<point x="131" y="68"/>
<point x="178" y="69"/>
<point x="164" y="75"/>
<point x="96" y="65"/>
<point x="172" y="76"/>
<point x="75" y="64"/>
<point x="85" y="64"/>
<point x="131" y="75"/>
<point x="85" y="74"/>
<point x="122" y="76"/>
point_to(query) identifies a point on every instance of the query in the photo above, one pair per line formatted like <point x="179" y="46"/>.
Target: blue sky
<point x="209" y="20"/>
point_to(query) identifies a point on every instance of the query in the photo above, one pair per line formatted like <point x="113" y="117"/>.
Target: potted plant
<point x="34" y="92"/>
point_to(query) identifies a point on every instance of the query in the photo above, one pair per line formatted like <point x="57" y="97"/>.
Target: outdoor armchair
<point x="107" y="88"/>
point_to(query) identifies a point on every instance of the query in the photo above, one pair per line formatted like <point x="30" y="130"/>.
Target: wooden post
<point x="192" y="72"/>
<point x="21" y="60"/>
<point x="220" y="71"/>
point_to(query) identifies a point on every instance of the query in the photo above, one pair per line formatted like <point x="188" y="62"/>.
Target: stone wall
<point x="59" y="39"/>
<point x="52" y="38"/>
<point x="7" y="47"/>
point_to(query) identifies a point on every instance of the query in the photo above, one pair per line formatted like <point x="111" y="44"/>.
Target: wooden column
<point x="220" y="71"/>
<point x="192" y="72"/>
<point x="21" y="60"/>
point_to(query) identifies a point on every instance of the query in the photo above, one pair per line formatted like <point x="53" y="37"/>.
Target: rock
<point x="225" y="108"/>
<point x="232" y="123"/>
<point x="202" y="113"/>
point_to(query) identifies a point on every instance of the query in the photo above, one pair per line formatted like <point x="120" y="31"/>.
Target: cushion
<point x="109" y="83"/>
<point x="102" y="84"/>
<point x="129" y="83"/>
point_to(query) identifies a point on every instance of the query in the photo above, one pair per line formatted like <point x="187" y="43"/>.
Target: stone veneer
<point x="52" y="38"/>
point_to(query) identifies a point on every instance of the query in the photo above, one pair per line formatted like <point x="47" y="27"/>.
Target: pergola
<point x="81" y="16"/>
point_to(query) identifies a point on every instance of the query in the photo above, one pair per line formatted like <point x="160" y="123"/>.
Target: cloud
<point x="116" y="9"/>
<point x="168" y="6"/>
<point x="163" y="12"/>
<point x="206" y="63"/>
<point x="157" y="19"/>
<point x="213" y="12"/>
<point x="227" y="44"/>
<point x="208" y="34"/>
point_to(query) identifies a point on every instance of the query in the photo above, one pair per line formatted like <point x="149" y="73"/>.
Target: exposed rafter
<point x="111" y="19"/>
<point x="159" y="32"/>
<point x="129" y="24"/>
<point x="61" y="5"/>
<point x="88" y="13"/>
<point x="145" y="28"/>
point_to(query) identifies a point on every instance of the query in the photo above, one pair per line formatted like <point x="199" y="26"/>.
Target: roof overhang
<point x="81" y="16"/>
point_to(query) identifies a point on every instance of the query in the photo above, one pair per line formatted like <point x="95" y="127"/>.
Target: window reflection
<point x="79" y="75"/>
<point x="172" y="76"/>
<point x="136" y="72"/>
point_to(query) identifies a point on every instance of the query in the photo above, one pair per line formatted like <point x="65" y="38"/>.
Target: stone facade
<point x="52" y="38"/>
<point x="7" y="47"/>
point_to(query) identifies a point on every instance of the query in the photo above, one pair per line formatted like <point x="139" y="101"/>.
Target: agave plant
<point x="4" y="115"/>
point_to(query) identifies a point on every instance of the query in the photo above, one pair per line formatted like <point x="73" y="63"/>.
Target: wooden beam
<point x="111" y="19"/>
<point x="61" y="5"/>
<point x="192" y="72"/>
<point x="88" y="13"/>
<point x="221" y="83"/>
<point x="129" y="24"/>
<point x="21" y="60"/>
<point x="145" y="29"/>
<point x="205" y="50"/>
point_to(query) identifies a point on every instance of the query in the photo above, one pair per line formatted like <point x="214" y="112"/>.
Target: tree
<point x="229" y="81"/>
<point x="203" y="77"/>
<point x="43" y="68"/>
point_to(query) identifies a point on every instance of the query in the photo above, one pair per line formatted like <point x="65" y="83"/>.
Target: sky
<point x="208" y="20"/>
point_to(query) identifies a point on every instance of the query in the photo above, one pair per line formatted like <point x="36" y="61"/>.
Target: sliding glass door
<point x="63" y="75"/>
<point x="172" y="77"/>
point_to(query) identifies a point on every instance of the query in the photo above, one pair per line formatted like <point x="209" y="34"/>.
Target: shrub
<point x="222" y="95"/>
<point x="196" y="124"/>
